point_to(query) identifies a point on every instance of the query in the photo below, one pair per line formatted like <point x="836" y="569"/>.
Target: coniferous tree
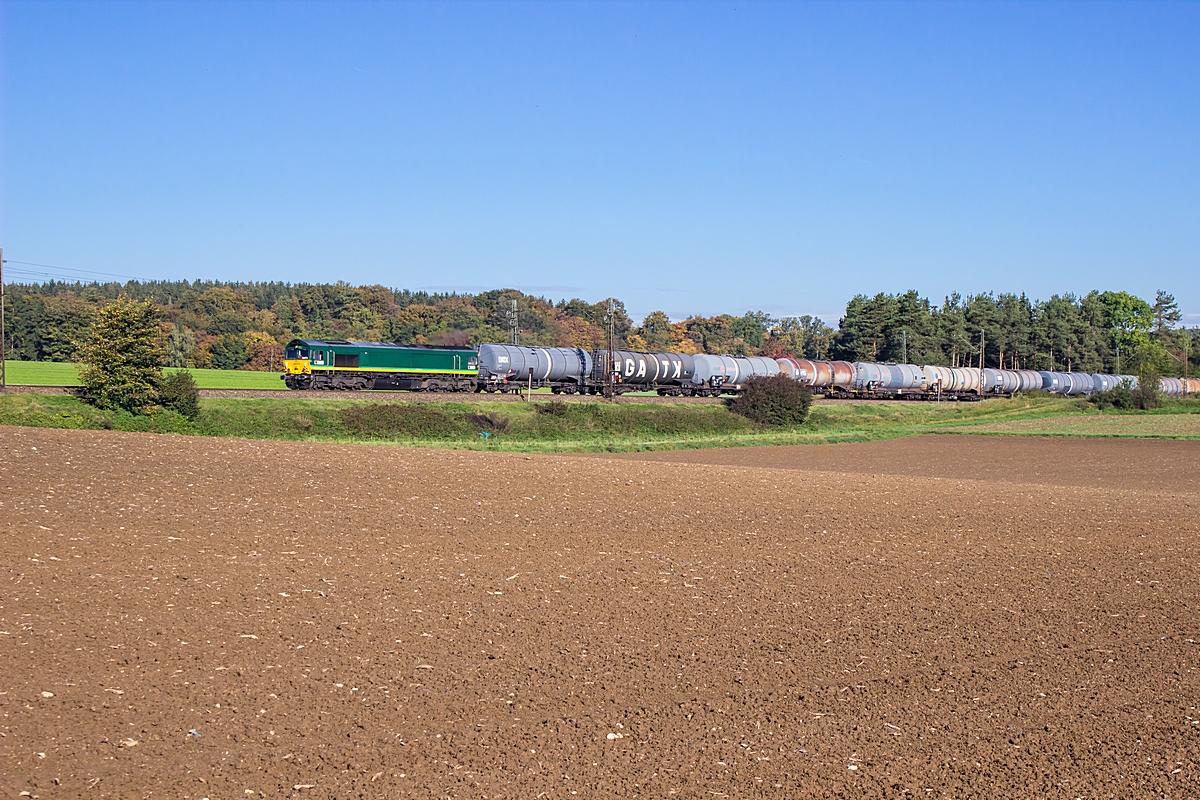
<point x="1165" y="313"/>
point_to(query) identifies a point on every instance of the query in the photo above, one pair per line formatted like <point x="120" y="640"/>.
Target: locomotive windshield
<point x="294" y="353"/>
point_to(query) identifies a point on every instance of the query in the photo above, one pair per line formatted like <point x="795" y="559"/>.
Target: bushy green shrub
<point x="776" y="400"/>
<point x="1120" y="398"/>
<point x="1147" y="396"/>
<point x="178" y="392"/>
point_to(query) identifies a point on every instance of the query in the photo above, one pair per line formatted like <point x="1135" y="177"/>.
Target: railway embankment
<point x="551" y="424"/>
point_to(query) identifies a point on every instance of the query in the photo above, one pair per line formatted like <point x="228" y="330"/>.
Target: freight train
<point x="329" y="364"/>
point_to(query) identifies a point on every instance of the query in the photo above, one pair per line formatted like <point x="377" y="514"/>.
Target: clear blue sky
<point x="689" y="157"/>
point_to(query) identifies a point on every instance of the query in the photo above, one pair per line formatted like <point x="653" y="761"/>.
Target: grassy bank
<point x="559" y="427"/>
<point x="57" y="373"/>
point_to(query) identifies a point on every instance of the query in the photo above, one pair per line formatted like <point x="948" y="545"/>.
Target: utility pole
<point x="514" y="323"/>
<point x="610" y="316"/>
<point x="3" y="351"/>
<point x="982" y="344"/>
<point x="904" y="345"/>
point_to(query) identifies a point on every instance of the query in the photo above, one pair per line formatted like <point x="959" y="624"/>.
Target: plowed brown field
<point x="197" y="617"/>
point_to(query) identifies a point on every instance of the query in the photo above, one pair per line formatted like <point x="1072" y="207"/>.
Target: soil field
<point x="221" y="618"/>
<point x="1140" y="464"/>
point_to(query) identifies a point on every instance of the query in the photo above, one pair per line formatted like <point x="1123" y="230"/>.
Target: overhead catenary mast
<point x="514" y="321"/>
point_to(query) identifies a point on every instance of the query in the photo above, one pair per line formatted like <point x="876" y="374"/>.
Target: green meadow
<point x="54" y="373"/>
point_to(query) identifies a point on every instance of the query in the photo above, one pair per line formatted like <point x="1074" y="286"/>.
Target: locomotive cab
<point x="300" y="360"/>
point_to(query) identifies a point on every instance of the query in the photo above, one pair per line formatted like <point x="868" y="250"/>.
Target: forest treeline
<point x="245" y="325"/>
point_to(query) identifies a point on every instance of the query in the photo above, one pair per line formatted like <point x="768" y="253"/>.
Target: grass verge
<point x="59" y="373"/>
<point x="602" y="427"/>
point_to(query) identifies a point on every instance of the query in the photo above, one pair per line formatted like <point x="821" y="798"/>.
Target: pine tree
<point x="1166" y="313"/>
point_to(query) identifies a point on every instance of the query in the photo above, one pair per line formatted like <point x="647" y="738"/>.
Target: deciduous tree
<point x="121" y="357"/>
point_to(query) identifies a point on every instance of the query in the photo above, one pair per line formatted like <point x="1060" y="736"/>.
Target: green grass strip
<point x="559" y="427"/>
<point x="57" y="373"/>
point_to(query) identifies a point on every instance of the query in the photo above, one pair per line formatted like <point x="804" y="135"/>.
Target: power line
<point x="70" y="269"/>
<point x="37" y="276"/>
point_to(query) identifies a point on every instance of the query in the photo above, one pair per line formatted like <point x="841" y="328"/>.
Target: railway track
<point x="442" y="397"/>
<point x="410" y="397"/>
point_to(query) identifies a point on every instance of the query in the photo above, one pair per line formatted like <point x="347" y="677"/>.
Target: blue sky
<point x="689" y="157"/>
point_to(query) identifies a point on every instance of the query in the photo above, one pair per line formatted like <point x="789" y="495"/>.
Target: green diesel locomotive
<point x="332" y="364"/>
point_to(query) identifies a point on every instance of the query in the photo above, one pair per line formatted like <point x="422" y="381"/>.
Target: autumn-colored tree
<point x="636" y="343"/>
<point x="682" y="342"/>
<point x="578" y="332"/>
<point x="265" y="354"/>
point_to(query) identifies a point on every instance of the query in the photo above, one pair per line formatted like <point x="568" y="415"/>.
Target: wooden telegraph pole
<point x="610" y="386"/>
<point x="3" y="350"/>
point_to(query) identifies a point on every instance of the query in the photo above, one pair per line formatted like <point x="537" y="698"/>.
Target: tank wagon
<point x="510" y="368"/>
<point x="627" y="371"/>
<point x="1178" y="387"/>
<point x="340" y="364"/>
<point x="1083" y="383"/>
<point x="715" y="375"/>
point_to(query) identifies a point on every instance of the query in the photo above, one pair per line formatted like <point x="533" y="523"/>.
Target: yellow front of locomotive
<point x="297" y="366"/>
<point x="296" y="360"/>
